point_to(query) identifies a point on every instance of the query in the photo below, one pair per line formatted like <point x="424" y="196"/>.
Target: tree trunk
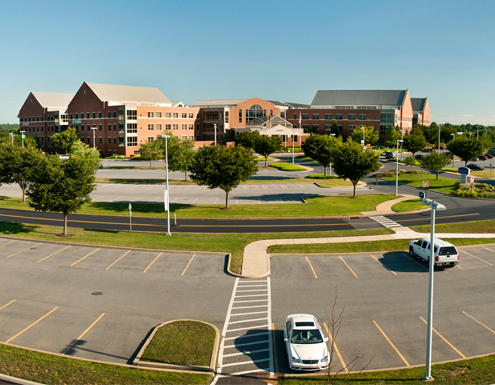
<point x="150" y="162"/>
<point x="226" y="199"/>
<point x="354" y="189"/>
<point x="325" y="170"/>
<point x="437" y="176"/>
<point x="185" y="175"/>
<point x="65" y="224"/>
<point x="266" y="157"/>
<point x="23" y="193"/>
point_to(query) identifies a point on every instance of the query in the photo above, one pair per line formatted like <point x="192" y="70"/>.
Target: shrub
<point x="321" y="176"/>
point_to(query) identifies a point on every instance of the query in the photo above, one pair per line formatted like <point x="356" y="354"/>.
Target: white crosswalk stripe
<point x="386" y="222"/>
<point x="247" y="345"/>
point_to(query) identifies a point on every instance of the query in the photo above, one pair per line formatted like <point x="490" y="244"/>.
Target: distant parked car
<point x="475" y="167"/>
<point x="483" y="157"/>
<point x="474" y="159"/>
<point x="489" y="156"/>
<point x="389" y="155"/>
<point x="419" y="156"/>
<point x="441" y="148"/>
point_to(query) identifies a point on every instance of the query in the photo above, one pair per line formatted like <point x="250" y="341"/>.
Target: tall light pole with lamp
<point x="397" y="169"/>
<point x="453" y="155"/>
<point x="22" y="138"/>
<point x="434" y="207"/>
<point x="167" y="199"/>
<point x="331" y="162"/>
<point x="12" y="135"/>
<point x="438" y="139"/>
<point x="215" y="132"/>
<point x="364" y="131"/>
<point x="94" y="140"/>
<point x="402" y="140"/>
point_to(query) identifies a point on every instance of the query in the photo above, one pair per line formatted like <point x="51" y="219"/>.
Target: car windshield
<point x="449" y="250"/>
<point x="312" y="336"/>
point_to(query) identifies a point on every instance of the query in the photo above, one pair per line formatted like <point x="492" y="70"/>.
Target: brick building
<point x="421" y="111"/>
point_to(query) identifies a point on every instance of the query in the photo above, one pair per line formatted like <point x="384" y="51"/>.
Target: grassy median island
<point x="475" y="227"/>
<point x="409" y="205"/>
<point x="476" y="371"/>
<point x="51" y="369"/>
<point x="443" y="185"/>
<point x="316" y="207"/>
<point x="182" y="343"/>
<point x="284" y="166"/>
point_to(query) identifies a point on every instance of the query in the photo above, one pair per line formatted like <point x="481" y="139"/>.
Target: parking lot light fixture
<point x="402" y="140"/>
<point x="397" y="169"/>
<point x="22" y="138"/>
<point x="94" y="129"/>
<point x="434" y="207"/>
<point x="12" y="135"/>
<point x="167" y="199"/>
<point x="453" y="155"/>
<point x="330" y="162"/>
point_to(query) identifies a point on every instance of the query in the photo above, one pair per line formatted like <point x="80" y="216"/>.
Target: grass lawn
<point x="182" y="343"/>
<point x="284" y="166"/>
<point x="443" y="185"/>
<point x="136" y="167"/>
<point x="250" y="181"/>
<point x="142" y="181"/>
<point x="307" y="158"/>
<point x="475" y="227"/>
<point x="50" y="369"/>
<point x="222" y="243"/>
<point x="316" y="207"/>
<point x="409" y="205"/>
<point x="476" y="371"/>
<point x="262" y="159"/>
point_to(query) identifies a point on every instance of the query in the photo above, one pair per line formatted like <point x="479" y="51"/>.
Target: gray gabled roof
<point x="418" y="104"/>
<point x="359" y="97"/>
<point x="217" y="103"/>
<point x="129" y="94"/>
<point x="296" y="105"/>
<point x="277" y="103"/>
<point x="59" y="101"/>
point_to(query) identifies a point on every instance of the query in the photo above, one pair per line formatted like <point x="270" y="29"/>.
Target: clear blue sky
<point x="280" y="50"/>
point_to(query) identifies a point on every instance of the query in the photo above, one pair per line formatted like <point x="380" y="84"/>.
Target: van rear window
<point x="448" y="250"/>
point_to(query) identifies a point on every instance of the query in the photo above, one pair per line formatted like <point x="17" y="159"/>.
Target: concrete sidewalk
<point x="256" y="262"/>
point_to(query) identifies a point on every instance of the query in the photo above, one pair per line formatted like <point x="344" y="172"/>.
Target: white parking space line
<point x="230" y="360"/>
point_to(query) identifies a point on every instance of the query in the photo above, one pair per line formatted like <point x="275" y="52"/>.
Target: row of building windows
<point x="184" y="137"/>
<point x="38" y="119"/>
<point x="184" y="115"/>
<point x="329" y="116"/>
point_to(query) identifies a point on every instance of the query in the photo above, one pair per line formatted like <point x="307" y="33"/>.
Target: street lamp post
<point x="22" y="138"/>
<point x="397" y="169"/>
<point x="12" y="135"/>
<point x="453" y="155"/>
<point x="438" y="150"/>
<point x="364" y="130"/>
<point x="331" y="162"/>
<point x="215" y="133"/>
<point x="94" y="129"/>
<point x="402" y="140"/>
<point x="167" y="199"/>
<point x="434" y="206"/>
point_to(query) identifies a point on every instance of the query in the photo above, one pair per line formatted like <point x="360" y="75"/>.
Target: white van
<point x="445" y="253"/>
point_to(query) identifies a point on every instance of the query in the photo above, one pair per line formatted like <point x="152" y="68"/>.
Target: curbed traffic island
<point x="181" y="345"/>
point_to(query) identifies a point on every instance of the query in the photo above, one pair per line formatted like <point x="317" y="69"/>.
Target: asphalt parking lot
<point x="100" y="303"/>
<point x="385" y="299"/>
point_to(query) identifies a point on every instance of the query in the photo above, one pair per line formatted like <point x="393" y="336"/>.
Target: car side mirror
<point x="286" y="339"/>
<point x="326" y="339"/>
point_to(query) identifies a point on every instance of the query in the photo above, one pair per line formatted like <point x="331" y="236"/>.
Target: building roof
<point x="217" y="103"/>
<point x="53" y="100"/>
<point x="359" y="97"/>
<point x="418" y="104"/>
<point x="129" y="94"/>
<point x="275" y="102"/>
<point x="297" y="105"/>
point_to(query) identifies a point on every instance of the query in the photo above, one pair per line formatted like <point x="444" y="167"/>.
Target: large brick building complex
<point x="121" y="118"/>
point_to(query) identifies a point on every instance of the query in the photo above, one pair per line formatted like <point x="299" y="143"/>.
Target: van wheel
<point x="411" y="252"/>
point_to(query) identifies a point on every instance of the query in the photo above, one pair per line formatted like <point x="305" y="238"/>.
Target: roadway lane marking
<point x="42" y="259"/>
<point x="152" y="263"/>
<point x="275" y="359"/>
<point x="336" y="349"/>
<point x="493" y="251"/>
<point x="385" y="266"/>
<point x="352" y="271"/>
<point x="8" y="243"/>
<point x="471" y="255"/>
<point x="474" y="319"/>
<point x="428" y="219"/>
<point x="86" y="256"/>
<point x="188" y="264"/>
<point x="32" y="247"/>
<point x="118" y="259"/>
<point x="34" y="323"/>
<point x="311" y="268"/>
<point x="82" y="335"/>
<point x="416" y="262"/>
<point x="7" y="304"/>
<point x="448" y="343"/>
<point x="391" y="344"/>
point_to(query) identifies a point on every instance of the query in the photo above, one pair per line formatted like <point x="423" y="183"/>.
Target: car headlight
<point x="296" y="360"/>
<point x="324" y="359"/>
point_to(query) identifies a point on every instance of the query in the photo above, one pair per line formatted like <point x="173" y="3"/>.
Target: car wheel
<point x="411" y="252"/>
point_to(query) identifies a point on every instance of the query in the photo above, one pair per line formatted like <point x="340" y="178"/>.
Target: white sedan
<point x="306" y="347"/>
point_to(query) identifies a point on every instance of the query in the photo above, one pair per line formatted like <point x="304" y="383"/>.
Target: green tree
<point x="321" y="148"/>
<point x="266" y="145"/>
<point x="81" y="149"/>
<point x="335" y="129"/>
<point x="465" y="148"/>
<point x="16" y="165"/>
<point x="411" y="161"/>
<point x="29" y="141"/>
<point x="61" y="185"/>
<point x="393" y="135"/>
<point x="370" y="135"/>
<point x="180" y="155"/>
<point x="446" y="134"/>
<point x="247" y="138"/>
<point x="223" y="167"/>
<point x="151" y="151"/>
<point x="430" y="133"/>
<point x="434" y="162"/>
<point x="64" y="140"/>
<point x="351" y="162"/>
<point x="415" y="141"/>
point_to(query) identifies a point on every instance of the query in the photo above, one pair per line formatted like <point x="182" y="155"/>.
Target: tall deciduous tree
<point x="465" y="148"/>
<point x="61" y="185"/>
<point x="415" y="141"/>
<point x="393" y="135"/>
<point x="335" y="129"/>
<point x="430" y="133"/>
<point x="81" y="149"/>
<point x="434" y="162"/>
<point x="321" y="148"/>
<point x="180" y="155"/>
<point x="223" y="167"/>
<point x="370" y="135"/>
<point x="151" y="151"/>
<point x="351" y="162"/>
<point x="266" y="145"/>
<point x="247" y="138"/>
<point x="65" y="140"/>
<point x="16" y="165"/>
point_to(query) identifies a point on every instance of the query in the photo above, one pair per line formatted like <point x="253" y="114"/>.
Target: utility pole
<point x="215" y="128"/>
